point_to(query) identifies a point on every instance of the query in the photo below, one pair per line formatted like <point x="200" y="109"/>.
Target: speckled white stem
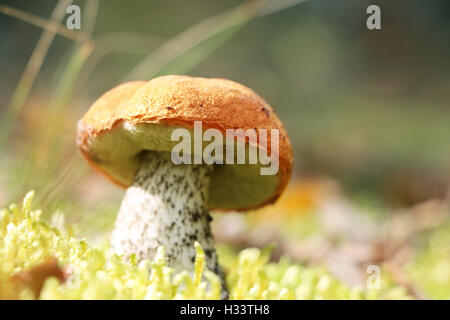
<point x="166" y="206"/>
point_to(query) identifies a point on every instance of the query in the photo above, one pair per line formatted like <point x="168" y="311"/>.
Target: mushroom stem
<point x="166" y="206"/>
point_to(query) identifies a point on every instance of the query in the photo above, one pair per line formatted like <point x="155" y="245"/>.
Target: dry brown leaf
<point x="35" y="277"/>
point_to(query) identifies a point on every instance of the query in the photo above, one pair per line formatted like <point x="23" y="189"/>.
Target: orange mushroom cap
<point x="138" y="116"/>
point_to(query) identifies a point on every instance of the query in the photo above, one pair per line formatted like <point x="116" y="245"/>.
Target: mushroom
<point x="126" y="135"/>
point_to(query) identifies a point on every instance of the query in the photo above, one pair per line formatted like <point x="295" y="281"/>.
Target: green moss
<point x="430" y="270"/>
<point x="95" y="273"/>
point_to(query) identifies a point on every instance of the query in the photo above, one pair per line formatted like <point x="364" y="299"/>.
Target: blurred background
<point x="367" y="112"/>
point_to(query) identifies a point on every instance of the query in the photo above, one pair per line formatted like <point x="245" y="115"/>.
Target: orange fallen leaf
<point x="301" y="197"/>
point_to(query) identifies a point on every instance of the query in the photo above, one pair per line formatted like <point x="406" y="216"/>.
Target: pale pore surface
<point x="232" y="186"/>
<point x="166" y="206"/>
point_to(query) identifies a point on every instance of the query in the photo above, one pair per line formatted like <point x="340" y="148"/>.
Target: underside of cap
<point x="113" y="134"/>
<point x="233" y="186"/>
